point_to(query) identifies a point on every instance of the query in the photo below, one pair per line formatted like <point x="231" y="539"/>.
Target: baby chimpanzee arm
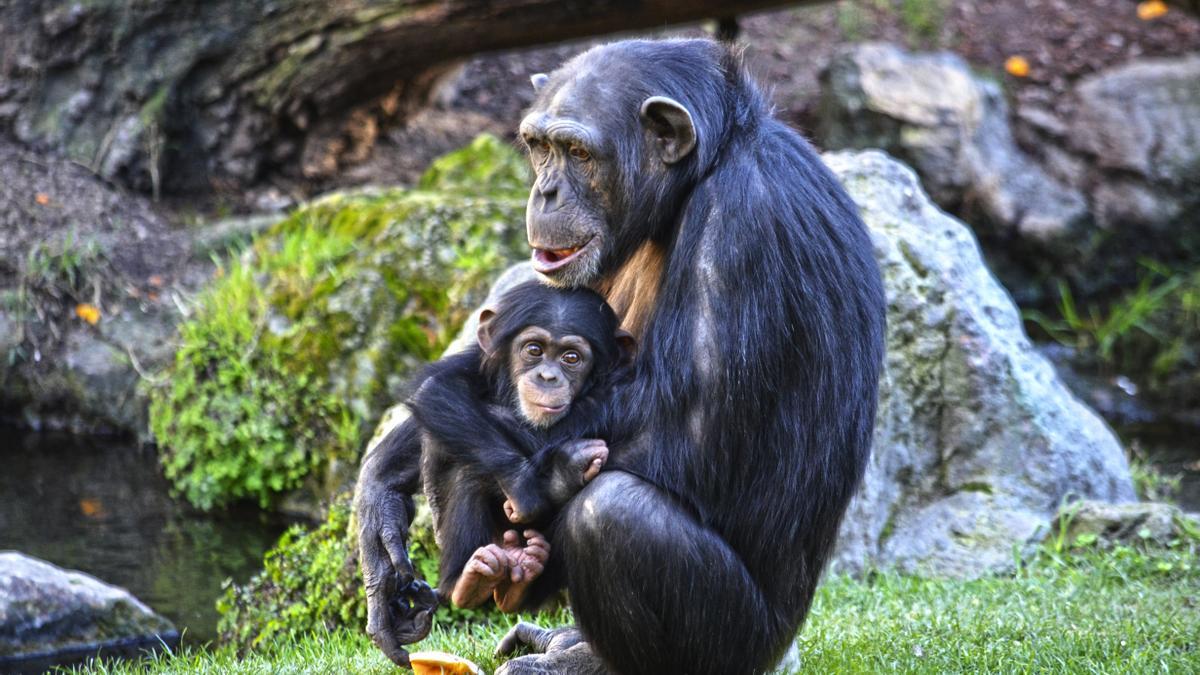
<point x="454" y="404"/>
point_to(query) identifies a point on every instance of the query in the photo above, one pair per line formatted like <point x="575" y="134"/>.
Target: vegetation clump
<point x="1151" y="332"/>
<point x="310" y="584"/>
<point x="303" y="340"/>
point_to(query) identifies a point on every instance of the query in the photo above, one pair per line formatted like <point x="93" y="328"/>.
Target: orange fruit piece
<point x="441" y="663"/>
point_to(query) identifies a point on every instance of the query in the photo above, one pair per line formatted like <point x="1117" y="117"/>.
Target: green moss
<point x="300" y="344"/>
<point x="311" y="583"/>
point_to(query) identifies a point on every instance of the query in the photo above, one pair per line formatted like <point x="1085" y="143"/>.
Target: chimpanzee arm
<point x="453" y="405"/>
<point x="399" y="607"/>
<point x="566" y="463"/>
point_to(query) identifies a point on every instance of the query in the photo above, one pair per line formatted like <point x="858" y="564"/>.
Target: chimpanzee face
<point x="549" y="371"/>
<point x="566" y="217"/>
<point x="601" y="161"/>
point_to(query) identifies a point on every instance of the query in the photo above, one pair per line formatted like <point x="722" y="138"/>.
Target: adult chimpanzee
<point x="742" y="267"/>
<point x="515" y="419"/>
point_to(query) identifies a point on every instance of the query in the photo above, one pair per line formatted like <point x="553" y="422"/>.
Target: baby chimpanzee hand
<point x="525" y="563"/>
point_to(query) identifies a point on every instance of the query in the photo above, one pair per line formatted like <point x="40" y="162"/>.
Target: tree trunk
<point x="197" y="94"/>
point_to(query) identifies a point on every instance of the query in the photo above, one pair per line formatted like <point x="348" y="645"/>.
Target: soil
<point x="1062" y="40"/>
<point x="83" y="225"/>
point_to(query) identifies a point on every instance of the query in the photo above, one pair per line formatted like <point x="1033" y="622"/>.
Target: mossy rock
<point x="301" y="343"/>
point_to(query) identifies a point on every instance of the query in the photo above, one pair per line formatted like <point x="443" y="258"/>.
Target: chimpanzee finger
<point x="489" y="569"/>
<point x="512" y="539"/>
<point x="523" y="633"/>
<point x="397" y="551"/>
<point x="381" y="629"/>
<point x="413" y="612"/>
<point x="494" y="557"/>
<point x="532" y="567"/>
<point x="536" y="544"/>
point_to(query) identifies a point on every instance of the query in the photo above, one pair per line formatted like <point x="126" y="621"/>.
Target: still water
<point x="102" y="507"/>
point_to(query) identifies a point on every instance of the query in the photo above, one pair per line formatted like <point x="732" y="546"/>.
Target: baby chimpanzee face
<point x="549" y="371"/>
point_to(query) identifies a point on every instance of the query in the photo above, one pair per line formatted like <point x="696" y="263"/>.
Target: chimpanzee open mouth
<point x="546" y="260"/>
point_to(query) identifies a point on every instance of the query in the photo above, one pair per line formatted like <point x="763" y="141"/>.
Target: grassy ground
<point x="1117" y="611"/>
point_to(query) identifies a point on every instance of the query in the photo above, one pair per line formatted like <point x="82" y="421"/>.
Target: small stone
<point x="1119" y="523"/>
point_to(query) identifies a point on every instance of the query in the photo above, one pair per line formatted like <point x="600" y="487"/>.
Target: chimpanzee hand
<point x="399" y="606"/>
<point x="574" y="465"/>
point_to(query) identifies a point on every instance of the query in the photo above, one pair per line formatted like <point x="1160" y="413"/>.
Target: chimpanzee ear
<point x="672" y="127"/>
<point x="628" y="346"/>
<point x="539" y="80"/>
<point x="484" y="334"/>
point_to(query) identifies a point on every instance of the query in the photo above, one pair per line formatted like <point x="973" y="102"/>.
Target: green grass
<point x="1086" y="611"/>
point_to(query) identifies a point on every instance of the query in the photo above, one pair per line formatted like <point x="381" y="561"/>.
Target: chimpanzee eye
<point x="532" y="349"/>
<point x="579" y="153"/>
<point x="536" y="144"/>
<point x="570" y="358"/>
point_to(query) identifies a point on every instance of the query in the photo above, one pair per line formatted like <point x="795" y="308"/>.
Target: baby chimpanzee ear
<point x="484" y="335"/>
<point x="627" y="345"/>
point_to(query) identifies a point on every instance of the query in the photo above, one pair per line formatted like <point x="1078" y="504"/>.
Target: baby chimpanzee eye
<point x="532" y="349"/>
<point x="570" y="358"/>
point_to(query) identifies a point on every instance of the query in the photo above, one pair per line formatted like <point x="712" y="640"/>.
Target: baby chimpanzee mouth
<point x="547" y="260"/>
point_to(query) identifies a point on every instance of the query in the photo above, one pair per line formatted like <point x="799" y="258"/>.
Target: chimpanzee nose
<point x="549" y="376"/>
<point x="549" y="195"/>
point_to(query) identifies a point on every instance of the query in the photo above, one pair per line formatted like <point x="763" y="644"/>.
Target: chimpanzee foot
<point x="483" y="573"/>
<point x="560" y="650"/>
<point x="526" y="563"/>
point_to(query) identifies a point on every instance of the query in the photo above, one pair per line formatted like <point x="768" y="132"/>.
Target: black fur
<point x="751" y="410"/>
<point x="477" y="448"/>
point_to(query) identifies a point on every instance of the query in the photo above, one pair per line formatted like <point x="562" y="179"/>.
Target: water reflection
<point x="102" y="507"/>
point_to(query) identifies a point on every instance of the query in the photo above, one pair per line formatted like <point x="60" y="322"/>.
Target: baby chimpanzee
<point x="511" y="429"/>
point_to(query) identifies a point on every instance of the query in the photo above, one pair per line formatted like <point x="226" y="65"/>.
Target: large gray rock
<point x="977" y="441"/>
<point x="952" y="127"/>
<point x="48" y="615"/>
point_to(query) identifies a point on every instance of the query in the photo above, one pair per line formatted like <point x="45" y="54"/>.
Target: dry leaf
<point x="89" y="313"/>
<point x="91" y="508"/>
<point x="1151" y="9"/>
<point x="1017" y="66"/>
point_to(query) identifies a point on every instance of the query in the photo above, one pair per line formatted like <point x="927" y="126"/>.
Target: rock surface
<point x="952" y="127"/>
<point x="1088" y="522"/>
<point x="48" y="614"/>
<point x="977" y="441"/>
<point x="1136" y="129"/>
